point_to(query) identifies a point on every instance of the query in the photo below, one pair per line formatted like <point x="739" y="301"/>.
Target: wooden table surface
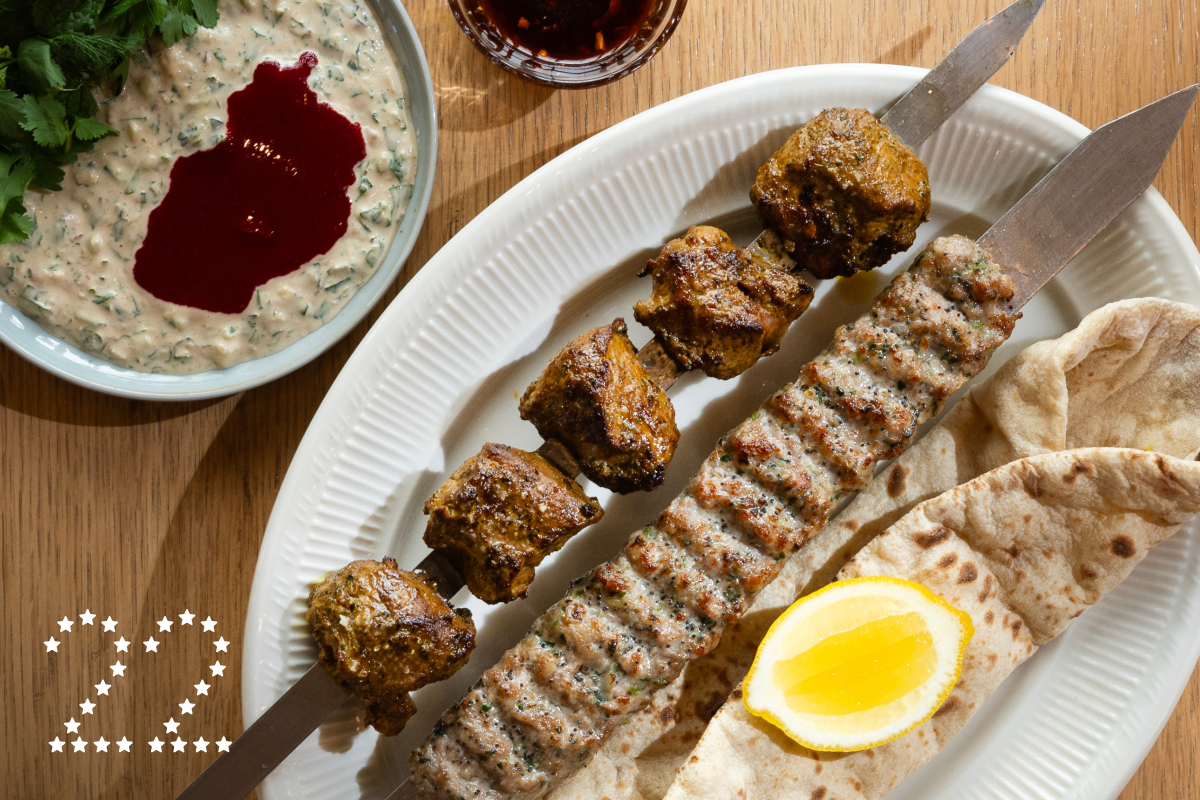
<point x="141" y="511"/>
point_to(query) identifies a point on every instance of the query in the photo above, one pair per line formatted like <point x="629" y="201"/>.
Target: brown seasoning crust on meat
<point x="715" y="307"/>
<point x="628" y="628"/>
<point x="596" y="398"/>
<point x="500" y="514"/>
<point x="384" y="632"/>
<point x="844" y="193"/>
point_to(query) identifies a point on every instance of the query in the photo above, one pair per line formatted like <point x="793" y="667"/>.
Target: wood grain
<point x="140" y="510"/>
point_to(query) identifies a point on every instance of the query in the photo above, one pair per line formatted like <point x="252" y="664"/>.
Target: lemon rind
<point x="967" y="633"/>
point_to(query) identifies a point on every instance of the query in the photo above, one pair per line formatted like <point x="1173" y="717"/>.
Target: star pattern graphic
<point x="124" y="745"/>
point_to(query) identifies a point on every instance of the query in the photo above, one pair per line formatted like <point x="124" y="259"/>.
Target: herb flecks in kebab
<point x="500" y="514"/>
<point x="715" y="306"/>
<point x="597" y="400"/>
<point x="844" y="193"/>
<point x="384" y="632"/>
<point x="628" y="627"/>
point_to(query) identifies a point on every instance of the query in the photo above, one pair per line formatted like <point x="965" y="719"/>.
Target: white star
<point x="178" y="745"/>
<point x="123" y="745"/>
<point x="57" y="745"/>
<point x="186" y="707"/>
<point x="102" y="687"/>
<point x="151" y="645"/>
<point x="222" y="645"/>
<point x="172" y="726"/>
<point x="79" y="744"/>
<point x="101" y="745"/>
<point x="165" y="624"/>
<point x="65" y="624"/>
<point x="208" y="624"/>
<point x="118" y="669"/>
<point x="223" y="745"/>
<point x="72" y="726"/>
<point x="201" y="745"/>
<point x="201" y="688"/>
<point x="156" y="745"/>
<point x="218" y="669"/>
<point x="87" y="706"/>
<point x="186" y="617"/>
<point x="122" y="645"/>
<point x="51" y="645"/>
<point x="109" y="624"/>
<point x="87" y="617"/>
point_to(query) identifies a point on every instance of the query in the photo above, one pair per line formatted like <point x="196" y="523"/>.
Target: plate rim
<point x="333" y="413"/>
<point x="102" y="376"/>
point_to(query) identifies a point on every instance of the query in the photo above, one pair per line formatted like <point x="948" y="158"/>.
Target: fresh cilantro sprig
<point x="55" y="55"/>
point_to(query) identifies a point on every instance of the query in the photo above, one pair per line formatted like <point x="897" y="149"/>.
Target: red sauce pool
<point x="569" y="30"/>
<point x="269" y="198"/>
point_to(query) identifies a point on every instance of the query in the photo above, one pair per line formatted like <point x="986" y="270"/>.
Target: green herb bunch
<point x="54" y="54"/>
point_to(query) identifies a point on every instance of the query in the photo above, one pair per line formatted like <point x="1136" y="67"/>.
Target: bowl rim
<point x="639" y="60"/>
<point x="24" y="336"/>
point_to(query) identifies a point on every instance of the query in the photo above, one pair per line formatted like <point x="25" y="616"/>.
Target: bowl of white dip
<point x="68" y="301"/>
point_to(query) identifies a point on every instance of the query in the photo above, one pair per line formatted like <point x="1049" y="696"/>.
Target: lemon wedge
<point x="858" y="663"/>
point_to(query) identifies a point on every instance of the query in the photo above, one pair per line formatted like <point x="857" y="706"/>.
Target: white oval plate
<point x="28" y="339"/>
<point x="439" y="373"/>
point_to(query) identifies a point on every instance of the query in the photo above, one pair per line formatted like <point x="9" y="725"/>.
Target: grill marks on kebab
<point x="629" y="626"/>
<point x="844" y="195"/>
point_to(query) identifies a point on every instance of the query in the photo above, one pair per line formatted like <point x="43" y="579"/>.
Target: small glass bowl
<point x="612" y="65"/>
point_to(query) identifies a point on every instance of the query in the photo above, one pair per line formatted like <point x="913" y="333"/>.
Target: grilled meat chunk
<point x="500" y="514"/>
<point x="717" y="308"/>
<point x="384" y="632"/>
<point x="596" y="398"/>
<point x="843" y="192"/>
<point x="629" y="626"/>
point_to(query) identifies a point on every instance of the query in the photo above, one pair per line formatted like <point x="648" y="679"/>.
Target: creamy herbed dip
<point x="75" y="273"/>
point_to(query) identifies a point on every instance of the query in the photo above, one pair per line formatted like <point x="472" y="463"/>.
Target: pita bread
<point x="1123" y="378"/>
<point x="1023" y="549"/>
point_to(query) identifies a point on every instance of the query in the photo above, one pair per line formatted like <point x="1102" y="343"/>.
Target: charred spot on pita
<point x="819" y="793"/>
<point x="1123" y="546"/>
<point x="933" y="538"/>
<point x="1081" y="467"/>
<point x="948" y="560"/>
<point x="967" y="573"/>
<point x="897" y="478"/>
<point x="949" y="706"/>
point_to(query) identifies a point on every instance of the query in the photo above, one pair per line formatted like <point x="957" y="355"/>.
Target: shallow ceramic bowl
<point x="31" y="341"/>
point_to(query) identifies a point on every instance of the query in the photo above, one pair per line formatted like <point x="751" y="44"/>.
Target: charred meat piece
<point x="844" y="192"/>
<point x="384" y="632"/>
<point x="630" y="626"/>
<point x="500" y="514"/>
<point x="717" y="308"/>
<point x="596" y="398"/>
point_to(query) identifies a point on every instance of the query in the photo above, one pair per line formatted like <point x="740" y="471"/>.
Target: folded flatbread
<point x="1126" y="377"/>
<point x="1023" y="549"/>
